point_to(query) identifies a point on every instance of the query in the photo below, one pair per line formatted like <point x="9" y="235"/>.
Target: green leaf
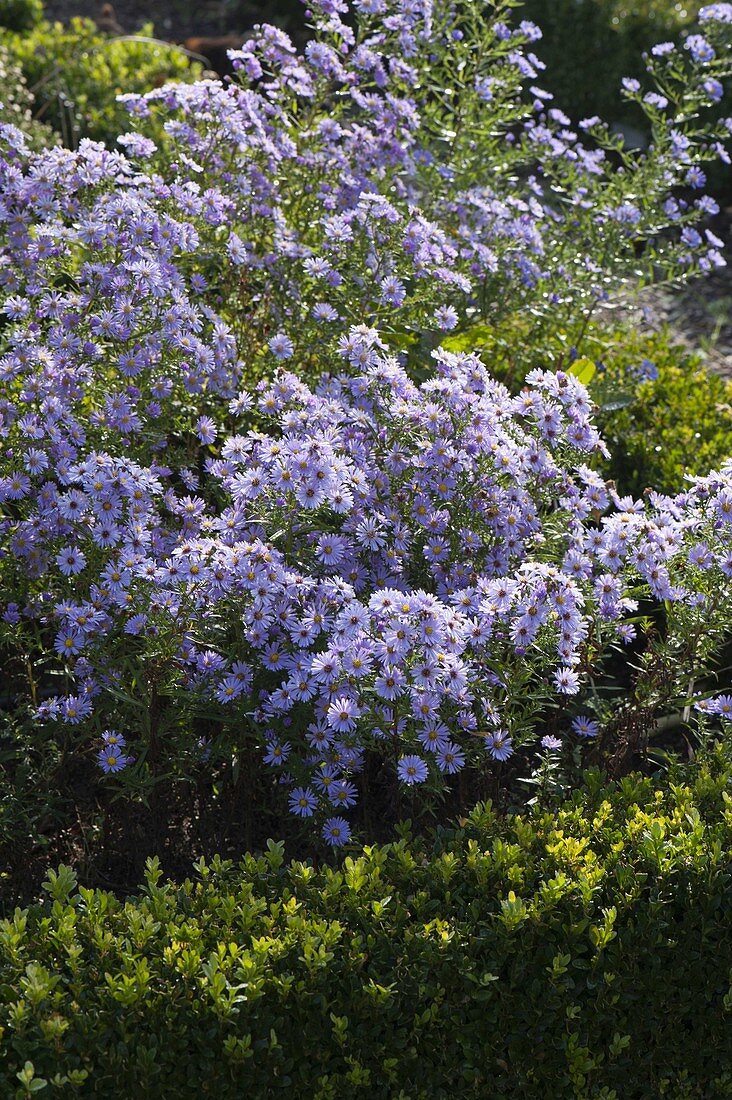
<point x="583" y="370"/>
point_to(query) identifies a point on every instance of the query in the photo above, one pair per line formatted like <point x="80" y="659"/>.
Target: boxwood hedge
<point x="576" y="951"/>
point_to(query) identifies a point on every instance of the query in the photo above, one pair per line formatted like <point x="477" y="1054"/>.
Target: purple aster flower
<point x="111" y="739"/>
<point x="342" y="714"/>
<point x="76" y="708"/>
<point x="412" y="770"/>
<point x="647" y="371"/>
<point x="550" y="742"/>
<point x="567" y="681"/>
<point x="446" y="318"/>
<point x="336" y="831"/>
<point x="303" y="802"/>
<point x="585" y="727"/>
<point x="699" y="48"/>
<point x="206" y="429"/>
<point x="716" y="13"/>
<point x="695" y="177"/>
<point x="71" y="561"/>
<point x="277" y="752"/>
<point x="230" y="688"/>
<point x="342" y="793"/>
<point x="324" y="311"/>
<point x="281" y="346"/>
<point x="714" y="89"/>
<point x="68" y="643"/>
<point x="393" y="292"/>
<point x="389" y="685"/>
<point x="111" y="759"/>
<point x="434" y="738"/>
<point x="499" y="745"/>
<point x="722" y="706"/>
<point x="450" y="758"/>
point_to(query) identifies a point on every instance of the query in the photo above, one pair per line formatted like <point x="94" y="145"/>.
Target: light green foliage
<point x="577" y="953"/>
<point x="664" y="428"/>
<point x="76" y="73"/>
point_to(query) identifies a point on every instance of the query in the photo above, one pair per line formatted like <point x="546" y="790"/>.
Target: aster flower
<point x="342" y="793"/>
<point x="303" y="802"/>
<point x="206" y="429"/>
<point x="112" y="759"/>
<point x="450" y="758"/>
<point x="113" y="739"/>
<point x="342" y="714"/>
<point x="699" y="48"/>
<point x="276" y="752"/>
<point x="722" y="706"/>
<point x="499" y="745"/>
<point x="71" y="561"/>
<point x="585" y="727"/>
<point x="412" y="770"/>
<point x="567" y="681"/>
<point x="336" y="832"/>
<point x="281" y="346"/>
<point x="68" y="643"/>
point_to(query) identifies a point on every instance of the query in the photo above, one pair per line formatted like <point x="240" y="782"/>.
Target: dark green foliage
<point x="20" y="15"/>
<point x="584" y="952"/>
<point x="610" y="37"/>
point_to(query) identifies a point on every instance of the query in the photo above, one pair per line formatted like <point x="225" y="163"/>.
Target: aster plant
<point x="379" y="553"/>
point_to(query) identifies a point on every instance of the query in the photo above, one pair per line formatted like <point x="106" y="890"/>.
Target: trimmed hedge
<point x="580" y="952"/>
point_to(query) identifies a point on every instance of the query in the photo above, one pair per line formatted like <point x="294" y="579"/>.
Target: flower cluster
<point x="426" y="211"/>
<point x="400" y="569"/>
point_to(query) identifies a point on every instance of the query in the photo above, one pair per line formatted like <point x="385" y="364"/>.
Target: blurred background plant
<point x="74" y="73"/>
<point x="17" y="103"/>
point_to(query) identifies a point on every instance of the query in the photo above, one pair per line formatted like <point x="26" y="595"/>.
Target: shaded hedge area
<point x="580" y="951"/>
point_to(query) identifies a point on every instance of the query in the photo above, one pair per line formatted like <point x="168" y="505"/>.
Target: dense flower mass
<point x="402" y="560"/>
<point x="404" y="224"/>
<point x="395" y="564"/>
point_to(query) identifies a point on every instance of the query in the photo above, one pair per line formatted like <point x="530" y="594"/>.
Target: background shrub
<point x="662" y="413"/>
<point x="76" y="74"/>
<point x="609" y="38"/>
<point x="20" y="15"/>
<point x="580" y="951"/>
<point x="16" y="102"/>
